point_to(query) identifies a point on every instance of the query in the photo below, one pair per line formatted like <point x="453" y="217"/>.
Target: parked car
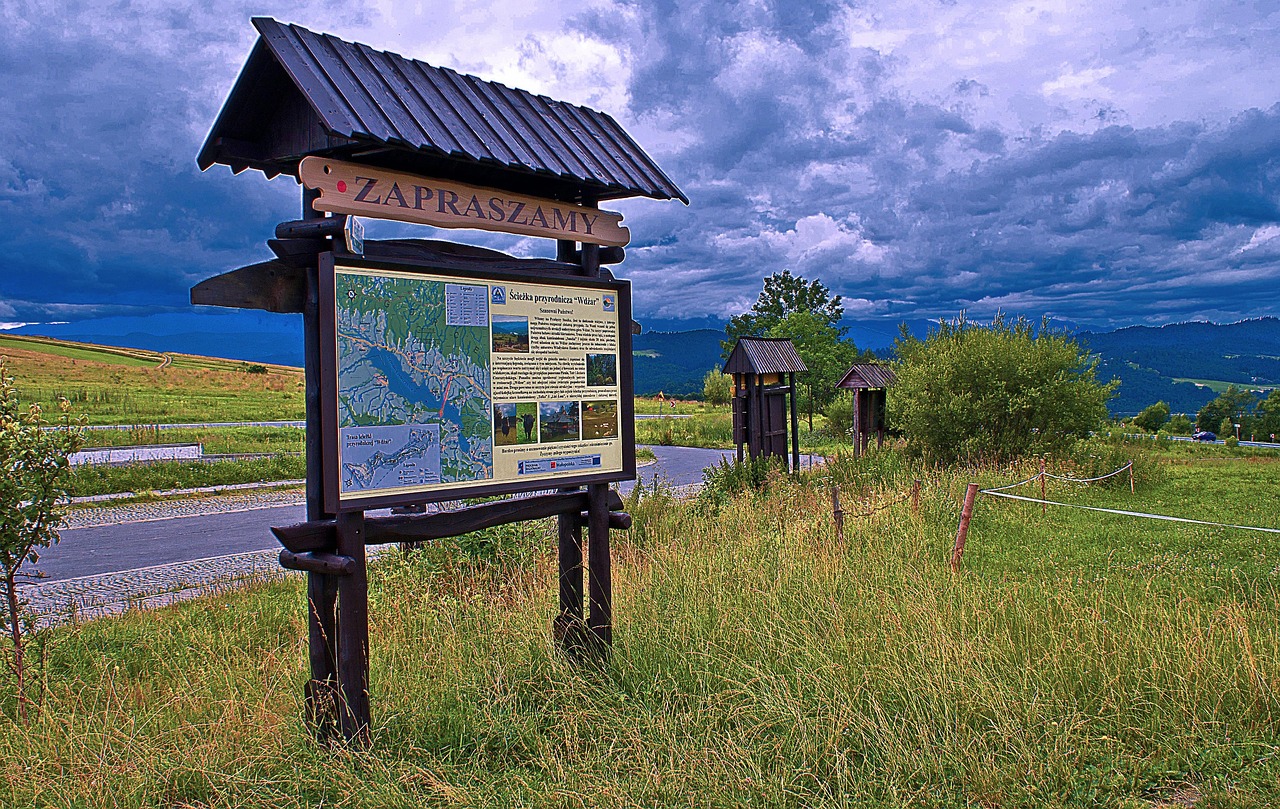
<point x="1204" y="435"/>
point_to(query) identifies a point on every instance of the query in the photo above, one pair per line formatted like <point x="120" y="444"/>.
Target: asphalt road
<point x="116" y="548"/>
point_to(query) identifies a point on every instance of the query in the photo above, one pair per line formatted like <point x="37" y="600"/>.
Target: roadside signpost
<point x="438" y="371"/>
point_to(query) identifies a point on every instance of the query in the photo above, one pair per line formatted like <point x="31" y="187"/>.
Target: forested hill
<point x="675" y="362"/>
<point x="1149" y="361"/>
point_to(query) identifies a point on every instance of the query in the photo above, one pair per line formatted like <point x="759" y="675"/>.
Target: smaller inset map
<point x="390" y="456"/>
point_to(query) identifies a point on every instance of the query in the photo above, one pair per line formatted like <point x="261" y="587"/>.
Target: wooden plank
<point x="321" y="535"/>
<point x="420" y="527"/>
<point x="270" y="285"/>
<point x="353" y="188"/>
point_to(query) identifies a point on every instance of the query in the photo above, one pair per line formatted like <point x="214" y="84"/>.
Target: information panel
<point x="443" y="386"/>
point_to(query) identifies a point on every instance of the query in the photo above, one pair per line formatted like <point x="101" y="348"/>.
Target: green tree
<point x="1179" y="424"/>
<point x="717" y="387"/>
<point x="968" y="393"/>
<point x="1153" y="418"/>
<point x="1229" y="404"/>
<point x="33" y="458"/>
<point x="783" y="294"/>
<point x="1267" y="415"/>
<point x="824" y="352"/>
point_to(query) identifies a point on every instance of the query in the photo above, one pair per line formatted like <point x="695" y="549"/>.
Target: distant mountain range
<point x="1152" y="363"/>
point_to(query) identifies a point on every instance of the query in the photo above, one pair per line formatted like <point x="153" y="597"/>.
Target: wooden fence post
<point x="965" y="514"/>
<point x="1131" y="488"/>
<point x="1044" y="508"/>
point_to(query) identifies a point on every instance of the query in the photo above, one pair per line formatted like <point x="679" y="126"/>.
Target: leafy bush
<point x="728" y="479"/>
<point x="839" y="415"/>
<point x="717" y="387"/>
<point x="993" y="394"/>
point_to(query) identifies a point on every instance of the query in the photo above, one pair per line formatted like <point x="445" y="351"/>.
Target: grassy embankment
<point x="1078" y="659"/>
<point x="130" y="386"/>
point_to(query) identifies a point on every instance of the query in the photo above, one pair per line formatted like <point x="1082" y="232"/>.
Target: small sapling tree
<point x="34" y="479"/>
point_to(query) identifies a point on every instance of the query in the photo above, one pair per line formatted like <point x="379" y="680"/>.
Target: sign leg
<point x="353" y="632"/>
<point x="570" y="628"/>
<point x="600" y="572"/>
<point x="322" y="689"/>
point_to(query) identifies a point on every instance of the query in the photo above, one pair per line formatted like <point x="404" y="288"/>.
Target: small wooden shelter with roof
<point x="869" y="383"/>
<point x="764" y="377"/>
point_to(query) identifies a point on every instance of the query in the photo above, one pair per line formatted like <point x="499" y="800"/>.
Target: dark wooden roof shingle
<point x="410" y="115"/>
<point x="869" y="376"/>
<point x="764" y="355"/>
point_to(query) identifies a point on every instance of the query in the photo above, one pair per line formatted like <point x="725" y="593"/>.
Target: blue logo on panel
<point x="499" y="296"/>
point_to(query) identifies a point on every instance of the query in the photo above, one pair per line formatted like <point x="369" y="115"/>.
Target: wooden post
<point x="570" y="626"/>
<point x="740" y="412"/>
<point x="965" y="514"/>
<point x="762" y="419"/>
<point x="1044" y="508"/>
<point x="857" y="423"/>
<point x="599" y="571"/>
<point x="795" y="426"/>
<point x="599" y="561"/>
<point x="837" y="513"/>
<point x="1132" y="490"/>
<point x="353" y="632"/>
<point x="320" y="693"/>
<point x="915" y="496"/>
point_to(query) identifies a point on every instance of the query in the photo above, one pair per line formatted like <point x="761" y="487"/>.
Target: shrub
<point x="969" y="393"/>
<point x="840" y="416"/>
<point x="717" y="388"/>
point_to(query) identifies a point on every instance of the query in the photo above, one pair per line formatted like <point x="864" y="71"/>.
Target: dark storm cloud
<point x="104" y="109"/>
<point x="798" y="154"/>
<point x="917" y="157"/>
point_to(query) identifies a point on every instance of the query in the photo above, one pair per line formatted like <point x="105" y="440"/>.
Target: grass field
<point x="1218" y="386"/>
<point x="127" y="386"/>
<point x="1078" y="659"/>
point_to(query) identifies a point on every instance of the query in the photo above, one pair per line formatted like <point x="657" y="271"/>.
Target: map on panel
<point x="414" y="384"/>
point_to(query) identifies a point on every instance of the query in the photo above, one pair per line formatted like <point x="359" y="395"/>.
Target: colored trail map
<point x="414" y="385"/>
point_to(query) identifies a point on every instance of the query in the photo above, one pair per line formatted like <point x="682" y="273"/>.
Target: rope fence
<point x="1002" y="491"/>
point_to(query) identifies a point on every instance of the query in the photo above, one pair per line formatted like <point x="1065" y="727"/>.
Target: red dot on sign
<point x="342" y="186"/>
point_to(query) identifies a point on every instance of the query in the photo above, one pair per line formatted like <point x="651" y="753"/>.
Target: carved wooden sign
<point x="352" y="188"/>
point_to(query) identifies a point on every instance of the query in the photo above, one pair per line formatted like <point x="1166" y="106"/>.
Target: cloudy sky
<point x="1104" y="163"/>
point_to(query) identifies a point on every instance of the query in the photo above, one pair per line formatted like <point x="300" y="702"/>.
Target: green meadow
<point x="1076" y="659"/>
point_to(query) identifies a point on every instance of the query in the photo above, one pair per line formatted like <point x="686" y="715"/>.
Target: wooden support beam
<point x="318" y="562"/>
<point x="329" y="227"/>
<point x="321" y="535"/>
<point x="618" y="520"/>
<point x="321" y="692"/>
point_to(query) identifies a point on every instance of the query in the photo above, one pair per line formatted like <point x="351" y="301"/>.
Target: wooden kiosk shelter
<point x="764" y="379"/>
<point x="373" y="133"/>
<point x="870" y="384"/>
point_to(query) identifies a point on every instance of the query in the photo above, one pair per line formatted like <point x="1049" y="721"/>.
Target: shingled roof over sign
<point x="764" y="355"/>
<point x="303" y="93"/>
